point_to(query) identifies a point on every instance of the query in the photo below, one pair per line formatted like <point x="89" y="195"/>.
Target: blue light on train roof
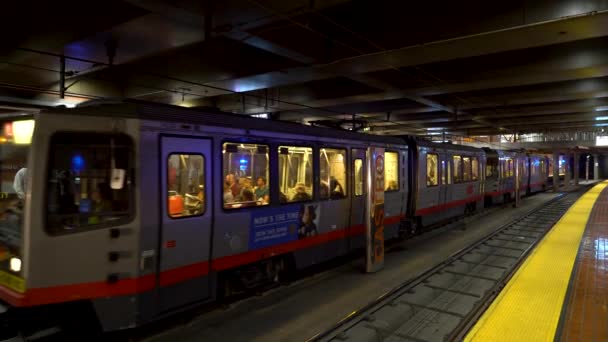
<point x="77" y="162"/>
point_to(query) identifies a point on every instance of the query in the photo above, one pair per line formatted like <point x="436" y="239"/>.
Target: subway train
<point x="129" y="212"/>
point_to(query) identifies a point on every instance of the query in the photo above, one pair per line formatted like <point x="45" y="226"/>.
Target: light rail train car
<point x="132" y="211"/>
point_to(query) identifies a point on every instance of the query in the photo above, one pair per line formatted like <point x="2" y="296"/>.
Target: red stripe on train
<point x="64" y="293"/>
<point x="449" y="205"/>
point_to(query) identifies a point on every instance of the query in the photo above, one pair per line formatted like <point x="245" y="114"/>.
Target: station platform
<point x="303" y="309"/>
<point x="560" y="292"/>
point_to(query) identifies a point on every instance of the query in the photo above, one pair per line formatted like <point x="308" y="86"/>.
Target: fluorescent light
<point x="598" y="118"/>
<point x="435" y="129"/>
<point x="260" y="116"/>
<point x="601" y="125"/>
<point x="601" y="109"/>
<point x="22" y="131"/>
<point x="15" y="264"/>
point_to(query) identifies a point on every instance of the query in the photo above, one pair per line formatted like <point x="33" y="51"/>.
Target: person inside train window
<point x="228" y="198"/>
<point x="20" y="183"/>
<point x="247" y="195"/>
<point x="391" y="170"/>
<point x="102" y="203"/>
<point x="392" y="186"/>
<point x="261" y="190"/>
<point x="301" y="194"/>
<point x="337" y="192"/>
<point x="282" y="198"/>
<point x="234" y="186"/>
<point x="332" y="173"/>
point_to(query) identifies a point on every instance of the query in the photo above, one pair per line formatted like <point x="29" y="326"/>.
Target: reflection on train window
<point x="466" y="169"/>
<point x="358" y="170"/>
<point x="431" y="170"/>
<point x="89" y="181"/>
<point x="332" y="173"/>
<point x="474" y="169"/>
<point x="246" y="182"/>
<point x="491" y="168"/>
<point x="186" y="185"/>
<point x="457" y="169"/>
<point x="391" y="170"/>
<point x="295" y="173"/>
<point x="444" y="173"/>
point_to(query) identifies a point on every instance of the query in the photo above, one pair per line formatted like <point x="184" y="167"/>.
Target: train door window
<point x="443" y="173"/>
<point x="332" y="173"/>
<point x="449" y="167"/>
<point x="295" y="173"/>
<point x="509" y="167"/>
<point x="457" y="169"/>
<point x="466" y="169"/>
<point x="358" y="171"/>
<point x="89" y="182"/>
<point x="246" y="173"/>
<point x="491" y="168"/>
<point x="432" y="177"/>
<point x="391" y="170"/>
<point x="543" y="171"/>
<point x="474" y="168"/>
<point x="186" y="185"/>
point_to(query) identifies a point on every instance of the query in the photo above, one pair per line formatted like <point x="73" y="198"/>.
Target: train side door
<point x="358" y="208"/>
<point x="185" y="238"/>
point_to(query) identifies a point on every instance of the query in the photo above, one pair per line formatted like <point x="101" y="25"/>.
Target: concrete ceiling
<point x="464" y="68"/>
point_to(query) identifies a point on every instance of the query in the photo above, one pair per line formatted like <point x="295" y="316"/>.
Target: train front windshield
<point x="15" y="141"/>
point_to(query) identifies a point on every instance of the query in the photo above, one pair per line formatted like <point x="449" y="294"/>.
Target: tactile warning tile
<point x="529" y="307"/>
<point x="586" y="315"/>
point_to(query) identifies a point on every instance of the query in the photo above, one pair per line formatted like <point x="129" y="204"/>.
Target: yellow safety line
<point x="529" y="307"/>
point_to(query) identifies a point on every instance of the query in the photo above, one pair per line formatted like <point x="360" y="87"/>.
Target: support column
<point x="596" y="167"/>
<point x="567" y="169"/>
<point x="577" y="164"/>
<point x="555" y="171"/>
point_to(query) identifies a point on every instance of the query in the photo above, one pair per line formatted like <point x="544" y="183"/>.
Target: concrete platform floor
<point x="303" y="309"/>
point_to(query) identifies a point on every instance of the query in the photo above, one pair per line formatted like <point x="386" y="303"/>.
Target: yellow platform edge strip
<point x="529" y="307"/>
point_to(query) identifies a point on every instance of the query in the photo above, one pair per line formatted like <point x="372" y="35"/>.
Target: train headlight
<point x="15" y="264"/>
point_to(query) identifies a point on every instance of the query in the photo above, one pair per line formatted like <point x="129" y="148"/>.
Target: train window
<point x="332" y="173"/>
<point x="449" y="167"/>
<point x="466" y="169"/>
<point x="510" y="167"/>
<point x="391" y="170"/>
<point x="457" y="169"/>
<point x="446" y="172"/>
<point x="543" y="168"/>
<point x="431" y="170"/>
<point x="358" y="171"/>
<point x="186" y="185"/>
<point x="295" y="174"/>
<point x="246" y="171"/>
<point x="89" y="182"/>
<point x="474" y="169"/>
<point x="491" y="168"/>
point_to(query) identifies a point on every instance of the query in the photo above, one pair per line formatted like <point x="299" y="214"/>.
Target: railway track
<point x="444" y="302"/>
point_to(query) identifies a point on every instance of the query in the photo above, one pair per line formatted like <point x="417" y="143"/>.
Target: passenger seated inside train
<point x="337" y="191"/>
<point x="301" y="194"/>
<point x="261" y="191"/>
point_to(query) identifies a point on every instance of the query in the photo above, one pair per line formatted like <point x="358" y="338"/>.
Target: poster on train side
<point x="275" y="226"/>
<point x="374" y="226"/>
